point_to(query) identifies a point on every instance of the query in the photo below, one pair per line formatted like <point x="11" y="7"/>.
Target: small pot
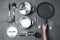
<point x="26" y="22"/>
<point x="25" y="8"/>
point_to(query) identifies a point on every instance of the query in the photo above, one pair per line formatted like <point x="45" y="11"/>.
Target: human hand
<point x="44" y="27"/>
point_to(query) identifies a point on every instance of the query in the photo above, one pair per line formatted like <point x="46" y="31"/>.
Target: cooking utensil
<point x="45" y="10"/>
<point x="26" y="22"/>
<point x="25" y="8"/>
<point x="12" y="32"/>
<point x="9" y="19"/>
<point x="14" y="7"/>
<point x="36" y="35"/>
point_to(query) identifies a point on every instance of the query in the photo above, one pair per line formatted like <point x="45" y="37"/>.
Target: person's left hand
<point x="44" y="27"/>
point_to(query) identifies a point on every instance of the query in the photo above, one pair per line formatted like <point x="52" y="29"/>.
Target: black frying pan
<point x="45" y="10"/>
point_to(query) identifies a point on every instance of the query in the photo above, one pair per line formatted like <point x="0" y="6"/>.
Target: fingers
<point x="44" y="24"/>
<point x="44" y="27"/>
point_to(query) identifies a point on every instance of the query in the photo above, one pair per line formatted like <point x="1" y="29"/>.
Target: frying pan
<point x="45" y="10"/>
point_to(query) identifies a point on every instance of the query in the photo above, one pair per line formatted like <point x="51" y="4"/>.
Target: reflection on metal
<point x="12" y="32"/>
<point x="11" y="17"/>
<point x="25" y="8"/>
<point x="25" y="22"/>
<point x="39" y="26"/>
<point x="51" y="27"/>
<point x="36" y="34"/>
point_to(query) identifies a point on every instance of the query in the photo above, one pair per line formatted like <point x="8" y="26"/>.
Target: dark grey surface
<point x="55" y="35"/>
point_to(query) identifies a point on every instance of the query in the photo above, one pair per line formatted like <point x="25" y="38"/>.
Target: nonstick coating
<point x="45" y="10"/>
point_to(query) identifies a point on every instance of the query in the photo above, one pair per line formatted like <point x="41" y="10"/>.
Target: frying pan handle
<point x="45" y="21"/>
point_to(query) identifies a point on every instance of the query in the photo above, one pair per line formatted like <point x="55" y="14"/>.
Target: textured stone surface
<point x="4" y="15"/>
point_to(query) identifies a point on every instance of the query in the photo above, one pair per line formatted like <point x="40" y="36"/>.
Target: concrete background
<point x="55" y="32"/>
